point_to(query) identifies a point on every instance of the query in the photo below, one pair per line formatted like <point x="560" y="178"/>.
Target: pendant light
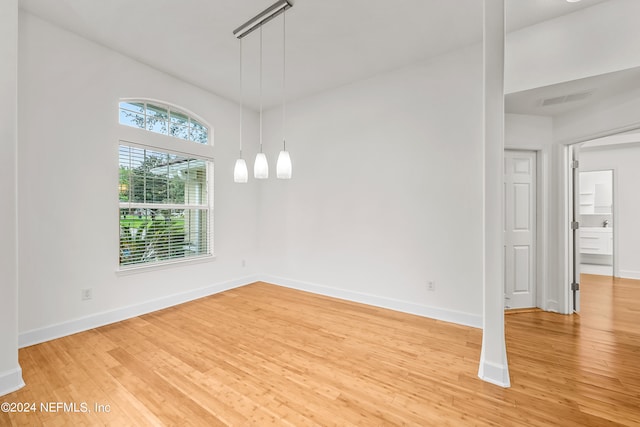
<point x="261" y="167"/>
<point x="240" y="173"/>
<point x="283" y="166"/>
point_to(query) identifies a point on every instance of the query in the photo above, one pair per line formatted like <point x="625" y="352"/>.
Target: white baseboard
<point x="36" y="336"/>
<point x="629" y="274"/>
<point x="11" y="381"/>
<point x="452" y="316"/>
<point x="47" y="333"/>
<point x="494" y="373"/>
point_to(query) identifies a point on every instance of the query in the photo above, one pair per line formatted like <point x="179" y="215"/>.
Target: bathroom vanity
<point x="596" y="217"/>
<point x="596" y="240"/>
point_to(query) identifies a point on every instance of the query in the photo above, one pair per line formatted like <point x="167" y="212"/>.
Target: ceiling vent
<point x="578" y="96"/>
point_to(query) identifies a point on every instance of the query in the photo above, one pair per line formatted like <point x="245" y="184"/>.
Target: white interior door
<point x="520" y="228"/>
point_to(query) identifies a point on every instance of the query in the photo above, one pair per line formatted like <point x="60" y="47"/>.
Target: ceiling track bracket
<point x="262" y="18"/>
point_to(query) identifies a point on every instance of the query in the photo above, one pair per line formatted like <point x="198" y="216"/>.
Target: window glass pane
<point x="125" y="174"/>
<point x="156" y="125"/>
<point x="123" y="185"/>
<point x="151" y="235"/>
<point x="178" y="131"/>
<point x="155" y="110"/>
<point x="157" y="118"/>
<point x="133" y="223"/>
<point x="136" y="107"/>
<point x="176" y="180"/>
<point x="176" y="188"/>
<point x="156" y="188"/>
<point x="133" y="157"/>
<point x="196" y="231"/>
<point x="137" y="186"/>
<point x="155" y="171"/>
<point x="148" y="176"/>
<point x="131" y="183"/>
<point x="198" y="132"/>
<point x="196" y="177"/>
<point x="129" y="118"/>
<point x="179" y="118"/>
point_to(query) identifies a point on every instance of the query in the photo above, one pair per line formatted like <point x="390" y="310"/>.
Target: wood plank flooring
<point x="267" y="355"/>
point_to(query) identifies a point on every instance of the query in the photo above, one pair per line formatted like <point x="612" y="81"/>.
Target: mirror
<point x="596" y="192"/>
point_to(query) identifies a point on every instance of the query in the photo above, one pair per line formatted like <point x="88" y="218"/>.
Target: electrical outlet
<point x="86" y="294"/>
<point x="244" y="263"/>
<point x="431" y="285"/>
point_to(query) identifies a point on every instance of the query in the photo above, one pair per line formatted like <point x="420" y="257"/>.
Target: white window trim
<point x="163" y="265"/>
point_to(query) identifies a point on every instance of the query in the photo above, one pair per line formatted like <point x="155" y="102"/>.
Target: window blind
<point x="164" y="206"/>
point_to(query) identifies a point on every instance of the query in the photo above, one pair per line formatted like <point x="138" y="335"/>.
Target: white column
<point x="10" y="372"/>
<point x="493" y="359"/>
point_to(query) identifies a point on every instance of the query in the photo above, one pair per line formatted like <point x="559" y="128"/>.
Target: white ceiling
<point x="329" y="42"/>
<point x="599" y="88"/>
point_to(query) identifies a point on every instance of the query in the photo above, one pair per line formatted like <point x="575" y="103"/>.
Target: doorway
<point x="607" y="240"/>
<point x="520" y="196"/>
<point x="596" y="217"/>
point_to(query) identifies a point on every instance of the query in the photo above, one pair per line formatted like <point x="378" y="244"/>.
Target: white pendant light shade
<point x="261" y="167"/>
<point x="284" y="165"/>
<point x="240" y="173"/>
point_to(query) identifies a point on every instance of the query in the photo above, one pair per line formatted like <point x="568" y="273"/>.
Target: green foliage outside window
<point x="156" y="236"/>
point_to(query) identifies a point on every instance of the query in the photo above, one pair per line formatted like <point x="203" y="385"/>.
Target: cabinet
<point x="596" y="241"/>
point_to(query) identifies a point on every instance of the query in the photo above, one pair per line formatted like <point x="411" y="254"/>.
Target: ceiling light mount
<point x="262" y="18"/>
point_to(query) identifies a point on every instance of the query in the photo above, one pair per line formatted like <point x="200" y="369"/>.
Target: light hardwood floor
<point x="266" y="355"/>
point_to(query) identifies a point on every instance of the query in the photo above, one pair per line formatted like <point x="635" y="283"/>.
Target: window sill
<point x="135" y="269"/>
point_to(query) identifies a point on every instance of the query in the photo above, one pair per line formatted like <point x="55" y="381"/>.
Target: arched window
<point x="163" y="119"/>
<point x="165" y="186"/>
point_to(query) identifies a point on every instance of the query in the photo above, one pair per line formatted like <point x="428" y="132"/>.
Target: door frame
<point x="566" y="243"/>
<point x="574" y="231"/>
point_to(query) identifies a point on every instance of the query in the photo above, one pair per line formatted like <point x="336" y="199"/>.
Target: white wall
<point x="386" y="191"/>
<point x="592" y="41"/>
<point x="623" y="160"/>
<point x="527" y="132"/>
<point x="535" y="133"/>
<point x="619" y="113"/>
<point x="10" y="374"/>
<point x="69" y="90"/>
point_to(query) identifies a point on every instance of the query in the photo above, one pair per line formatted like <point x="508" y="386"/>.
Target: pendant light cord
<point x="284" y="80"/>
<point x="261" y="88"/>
<point x="241" y="98"/>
